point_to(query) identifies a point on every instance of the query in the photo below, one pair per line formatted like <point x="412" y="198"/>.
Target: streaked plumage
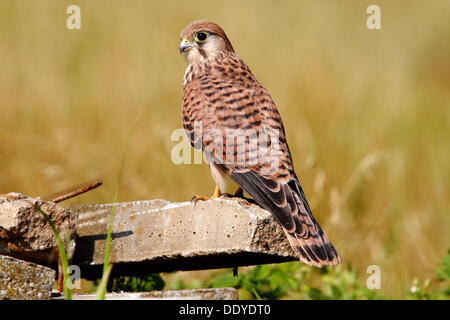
<point x="222" y="103"/>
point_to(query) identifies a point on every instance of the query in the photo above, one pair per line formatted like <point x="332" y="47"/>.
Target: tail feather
<point x="313" y="254"/>
<point x="312" y="243"/>
<point x="288" y="205"/>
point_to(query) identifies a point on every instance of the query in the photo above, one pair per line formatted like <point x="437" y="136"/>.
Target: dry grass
<point x="367" y="113"/>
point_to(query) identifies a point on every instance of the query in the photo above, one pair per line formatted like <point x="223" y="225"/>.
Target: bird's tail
<point x="312" y="254"/>
<point x="288" y="205"/>
<point x="308" y="240"/>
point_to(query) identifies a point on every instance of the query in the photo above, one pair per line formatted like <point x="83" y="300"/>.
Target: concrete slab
<point x="153" y="236"/>
<point x="191" y="294"/>
<point x="21" y="280"/>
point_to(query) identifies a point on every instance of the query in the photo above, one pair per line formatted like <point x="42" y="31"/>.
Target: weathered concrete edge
<point x="186" y="294"/>
<point x="266" y="241"/>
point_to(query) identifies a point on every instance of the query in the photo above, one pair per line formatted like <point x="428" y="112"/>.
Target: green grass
<point x="140" y="283"/>
<point x="346" y="94"/>
<point x="433" y="289"/>
<point x="293" y="280"/>
<point x="107" y="266"/>
<point x="61" y="250"/>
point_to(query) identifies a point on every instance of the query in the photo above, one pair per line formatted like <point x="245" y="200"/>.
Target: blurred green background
<point x="367" y="112"/>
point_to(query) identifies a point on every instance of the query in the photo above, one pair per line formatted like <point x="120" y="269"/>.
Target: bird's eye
<point x="200" y="36"/>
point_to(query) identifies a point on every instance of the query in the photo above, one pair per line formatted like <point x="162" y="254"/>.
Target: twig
<point x="78" y="191"/>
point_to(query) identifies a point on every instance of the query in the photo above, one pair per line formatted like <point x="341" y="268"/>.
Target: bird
<point x="229" y="115"/>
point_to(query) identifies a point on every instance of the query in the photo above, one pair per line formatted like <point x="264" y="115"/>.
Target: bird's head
<point x="202" y="41"/>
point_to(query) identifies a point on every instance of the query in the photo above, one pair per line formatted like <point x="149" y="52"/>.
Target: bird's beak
<point x="185" y="45"/>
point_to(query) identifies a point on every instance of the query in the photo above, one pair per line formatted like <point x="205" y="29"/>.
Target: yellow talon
<point x="215" y="195"/>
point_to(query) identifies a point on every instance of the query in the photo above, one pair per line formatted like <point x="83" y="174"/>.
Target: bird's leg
<point x="215" y="195"/>
<point x="239" y="193"/>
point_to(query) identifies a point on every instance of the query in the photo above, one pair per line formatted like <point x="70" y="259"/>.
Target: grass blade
<point x="107" y="267"/>
<point x="101" y="289"/>
<point x="62" y="252"/>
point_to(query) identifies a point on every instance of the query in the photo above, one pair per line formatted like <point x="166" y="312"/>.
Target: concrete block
<point x="154" y="236"/>
<point x="25" y="234"/>
<point x="21" y="280"/>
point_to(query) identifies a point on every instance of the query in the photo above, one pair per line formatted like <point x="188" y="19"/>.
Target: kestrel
<point x="231" y="117"/>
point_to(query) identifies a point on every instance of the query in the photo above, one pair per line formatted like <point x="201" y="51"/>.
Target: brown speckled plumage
<point x="222" y="103"/>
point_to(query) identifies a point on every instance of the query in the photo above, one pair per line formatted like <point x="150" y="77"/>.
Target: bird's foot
<point x="215" y="195"/>
<point x="196" y="198"/>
